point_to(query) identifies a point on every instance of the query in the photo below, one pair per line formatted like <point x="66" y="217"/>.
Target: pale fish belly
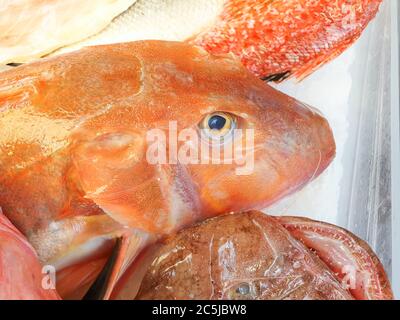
<point x="173" y="20"/>
<point x="30" y="29"/>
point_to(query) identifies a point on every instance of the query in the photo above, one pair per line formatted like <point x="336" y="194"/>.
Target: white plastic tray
<point x="395" y="101"/>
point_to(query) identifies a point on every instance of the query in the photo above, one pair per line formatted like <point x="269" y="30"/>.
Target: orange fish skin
<point x="73" y="144"/>
<point x="276" y="39"/>
<point x="21" y="276"/>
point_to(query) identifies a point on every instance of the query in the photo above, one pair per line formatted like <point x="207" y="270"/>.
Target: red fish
<point x="277" y="39"/>
<point x="74" y="171"/>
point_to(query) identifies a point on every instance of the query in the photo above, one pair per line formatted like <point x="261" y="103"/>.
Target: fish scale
<point x="159" y="20"/>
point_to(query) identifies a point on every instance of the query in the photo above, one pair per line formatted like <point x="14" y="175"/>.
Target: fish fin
<point x="349" y="257"/>
<point x="304" y="71"/>
<point x="74" y="282"/>
<point x="77" y="248"/>
<point x="126" y="249"/>
<point x="22" y="276"/>
<point x="278" y="77"/>
<point x="112" y="167"/>
<point x="87" y="243"/>
<point x="73" y="240"/>
<point x="129" y="284"/>
<point x="14" y="64"/>
<point x="98" y="290"/>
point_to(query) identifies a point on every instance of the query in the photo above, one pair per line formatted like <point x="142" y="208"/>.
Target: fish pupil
<point x="216" y="122"/>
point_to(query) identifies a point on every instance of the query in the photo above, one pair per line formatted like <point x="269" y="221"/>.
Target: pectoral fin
<point x="125" y="250"/>
<point x="114" y="173"/>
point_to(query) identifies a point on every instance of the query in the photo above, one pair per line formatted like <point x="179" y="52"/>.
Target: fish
<point x="22" y="275"/>
<point x="280" y="39"/>
<point x="78" y="154"/>
<point x="254" y="256"/>
<point x="275" y="39"/>
<point x="30" y="29"/>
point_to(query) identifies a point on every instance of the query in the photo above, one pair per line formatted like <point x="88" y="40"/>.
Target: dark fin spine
<point x="14" y="64"/>
<point x="278" y="77"/>
<point x="99" y="288"/>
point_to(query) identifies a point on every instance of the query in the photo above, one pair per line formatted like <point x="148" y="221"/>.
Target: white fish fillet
<point x="32" y="28"/>
<point x="174" y="20"/>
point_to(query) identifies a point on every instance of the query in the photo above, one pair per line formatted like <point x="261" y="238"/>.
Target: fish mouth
<point x="354" y="261"/>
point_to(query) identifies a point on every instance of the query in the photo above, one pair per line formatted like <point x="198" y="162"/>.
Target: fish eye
<point x="218" y="125"/>
<point x="242" y="291"/>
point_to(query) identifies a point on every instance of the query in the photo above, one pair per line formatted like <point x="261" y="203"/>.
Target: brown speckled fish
<point x="74" y="171"/>
<point x="258" y="257"/>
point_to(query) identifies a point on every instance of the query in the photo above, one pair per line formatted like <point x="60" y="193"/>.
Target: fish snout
<point x="318" y="147"/>
<point x="287" y="153"/>
<point x="299" y="146"/>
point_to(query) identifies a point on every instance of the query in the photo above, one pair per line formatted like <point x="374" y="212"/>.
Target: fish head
<point x="202" y="136"/>
<point x="271" y="146"/>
